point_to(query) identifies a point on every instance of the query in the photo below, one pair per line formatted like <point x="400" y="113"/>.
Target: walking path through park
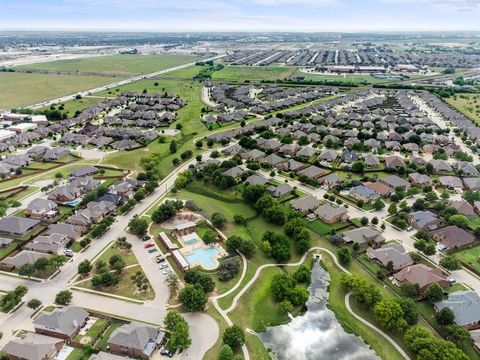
<point x="224" y="313"/>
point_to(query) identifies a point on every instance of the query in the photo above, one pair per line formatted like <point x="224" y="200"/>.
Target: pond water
<point x="315" y="335"/>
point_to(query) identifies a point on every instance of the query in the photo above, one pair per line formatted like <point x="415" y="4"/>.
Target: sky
<point x="241" y="15"/>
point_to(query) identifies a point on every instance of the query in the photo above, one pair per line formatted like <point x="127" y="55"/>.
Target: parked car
<point x="163" y="265"/>
<point x="147" y="245"/>
<point x="166" y="352"/>
<point x="146" y="238"/>
<point x="152" y="250"/>
<point x="166" y="271"/>
<point x="68" y="253"/>
<point x="159" y="260"/>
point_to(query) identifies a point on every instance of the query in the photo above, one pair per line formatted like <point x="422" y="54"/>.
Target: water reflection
<point x="315" y="335"/>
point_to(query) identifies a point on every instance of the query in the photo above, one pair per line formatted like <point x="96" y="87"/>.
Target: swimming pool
<point x="74" y="202"/>
<point x="206" y="257"/>
<point x="191" y="239"/>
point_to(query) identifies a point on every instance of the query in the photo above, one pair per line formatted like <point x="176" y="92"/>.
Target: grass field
<point x="241" y="73"/>
<point x="468" y="104"/>
<point x="115" y="64"/>
<point x="70" y="107"/>
<point x="41" y="87"/>
<point x="185" y="73"/>
<point x="470" y="257"/>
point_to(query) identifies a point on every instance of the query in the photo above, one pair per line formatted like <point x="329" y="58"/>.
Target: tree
<point x="302" y="274"/>
<point x="138" y="226"/>
<point x="234" y="336"/>
<point x="239" y="219"/>
<point x="409" y="310"/>
<point x="210" y="237"/>
<point x="450" y="262"/>
<point x="445" y="316"/>
<point x="458" y="220"/>
<point x="344" y="255"/>
<point x="228" y="269"/>
<point x="225" y="353"/>
<point x="164" y="212"/>
<point x="172" y="280"/>
<point x="364" y="221"/>
<point x="139" y="195"/>
<point x="63" y="297"/>
<point x="358" y="166"/>
<point x="378" y="204"/>
<point x="410" y="290"/>
<point x="173" y="147"/>
<point x="281" y="286"/>
<point x="237" y="243"/>
<point x="457" y="333"/>
<point x="193" y="297"/>
<point x="34" y="304"/>
<point x="26" y="270"/>
<point x="179" y="331"/>
<point x="434" y="293"/>
<point x="390" y="315"/>
<point x="218" y="220"/>
<point x="286" y="306"/>
<point x="195" y="276"/>
<point x="84" y="268"/>
<point x="392" y="209"/>
<point x="298" y="295"/>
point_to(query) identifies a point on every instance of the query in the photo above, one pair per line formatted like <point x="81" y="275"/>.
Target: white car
<point x="163" y="266"/>
<point x="166" y="271"/>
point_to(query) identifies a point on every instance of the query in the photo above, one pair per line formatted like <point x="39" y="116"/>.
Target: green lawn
<point x="257" y="73"/>
<point x="116" y="64"/>
<point x="470" y="257"/>
<point x="468" y="104"/>
<point x="185" y="73"/>
<point x="127" y="256"/>
<point x="4" y="251"/>
<point x="71" y="106"/>
<point x="102" y="342"/>
<point x="95" y="330"/>
<point x="76" y="354"/>
<point x="320" y="227"/>
<point x="42" y="87"/>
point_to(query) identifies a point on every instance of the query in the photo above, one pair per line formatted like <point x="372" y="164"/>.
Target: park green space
<point x="42" y="87"/>
<point x="115" y="64"/>
<point x="468" y="104"/>
<point x="125" y="287"/>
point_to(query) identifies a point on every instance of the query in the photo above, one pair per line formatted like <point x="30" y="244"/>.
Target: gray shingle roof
<point x="64" y="321"/>
<point x="465" y="305"/>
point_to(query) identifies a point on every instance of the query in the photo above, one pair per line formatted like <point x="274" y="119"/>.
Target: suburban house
<point x="135" y="340"/>
<point x="423" y="220"/>
<point x="106" y="356"/>
<point x="21" y="258"/>
<point x="391" y="252"/>
<point x="313" y="172"/>
<point x="419" y="179"/>
<point x="394" y="162"/>
<point x="41" y="209"/>
<point x="17" y="226"/>
<point x="330" y="214"/>
<point x="49" y="244"/>
<point x="85" y="171"/>
<point x="329" y="155"/>
<point x="329" y="181"/>
<point x="279" y="191"/>
<point x="62" y="323"/>
<point x="395" y="181"/>
<point x="31" y="346"/>
<point x="64" y="194"/>
<point x="253" y="155"/>
<point x="452" y="237"/>
<point x="85" y="183"/>
<point x="305" y="204"/>
<point x="363" y="193"/>
<point x="5" y="242"/>
<point x="451" y="182"/>
<point x="256" y="180"/>
<point x="73" y="232"/>
<point x="463" y="207"/>
<point x="95" y="212"/>
<point x="363" y="236"/>
<point x="55" y="154"/>
<point x="422" y="275"/>
<point x="272" y="160"/>
<point x="234" y="172"/>
<point x="466" y="307"/>
<point x="380" y="188"/>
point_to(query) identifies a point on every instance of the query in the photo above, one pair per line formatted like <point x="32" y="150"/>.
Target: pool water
<point x="74" y="202"/>
<point x="191" y="241"/>
<point x="206" y="257"/>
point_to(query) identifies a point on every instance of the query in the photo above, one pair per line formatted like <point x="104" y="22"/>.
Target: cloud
<point x="455" y="5"/>
<point x="295" y="2"/>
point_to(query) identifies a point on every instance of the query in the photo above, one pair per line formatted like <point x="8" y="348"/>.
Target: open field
<point x="240" y="73"/>
<point x="123" y="65"/>
<point x="468" y="104"/>
<point x="186" y="73"/>
<point x="42" y="87"/>
<point x="70" y="107"/>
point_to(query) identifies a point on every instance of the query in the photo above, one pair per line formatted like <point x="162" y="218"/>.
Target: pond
<point x="315" y="335"/>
